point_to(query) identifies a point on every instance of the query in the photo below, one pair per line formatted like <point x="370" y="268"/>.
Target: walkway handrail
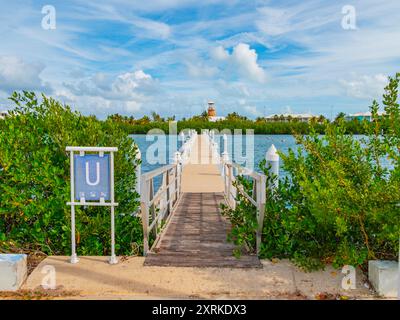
<point x="232" y="188"/>
<point x="186" y="148"/>
<point x="157" y="206"/>
<point x="257" y="199"/>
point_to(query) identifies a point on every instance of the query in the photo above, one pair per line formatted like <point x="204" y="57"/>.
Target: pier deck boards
<point x="196" y="236"/>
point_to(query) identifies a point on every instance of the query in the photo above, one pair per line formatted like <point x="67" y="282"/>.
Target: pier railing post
<point x="225" y="154"/>
<point x="144" y="208"/>
<point x="231" y="190"/>
<point x="153" y="206"/>
<point x="209" y="140"/>
<point x="170" y="191"/>
<point x="272" y="160"/>
<point x="225" y="159"/>
<point x="178" y="160"/>
<point x="138" y="170"/>
<point x="261" y="200"/>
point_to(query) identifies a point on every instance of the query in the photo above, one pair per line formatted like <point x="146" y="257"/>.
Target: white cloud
<point x="236" y="90"/>
<point x="17" y="74"/>
<point x="200" y="70"/>
<point x="124" y="86"/>
<point x="246" y="59"/>
<point x="104" y="93"/>
<point x="153" y="29"/>
<point x="132" y="106"/>
<point x="147" y="28"/>
<point x="219" y="53"/>
<point x="163" y="5"/>
<point x="252" y="111"/>
<point x="293" y="19"/>
<point x="365" y="86"/>
<point x="273" y="21"/>
<point x="243" y="60"/>
<point x="203" y="52"/>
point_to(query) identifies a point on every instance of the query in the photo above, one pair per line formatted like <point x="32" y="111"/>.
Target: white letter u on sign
<point x="97" y="174"/>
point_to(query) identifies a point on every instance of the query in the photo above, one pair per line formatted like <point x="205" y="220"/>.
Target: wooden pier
<point x="196" y="232"/>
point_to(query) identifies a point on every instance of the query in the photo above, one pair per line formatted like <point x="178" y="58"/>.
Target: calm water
<point x="236" y="148"/>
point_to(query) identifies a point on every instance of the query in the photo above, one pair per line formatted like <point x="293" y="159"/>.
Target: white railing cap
<point x="92" y="149"/>
<point x="272" y="154"/>
<point x="156" y="172"/>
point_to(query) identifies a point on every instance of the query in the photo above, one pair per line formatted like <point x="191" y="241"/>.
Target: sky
<point x="254" y="57"/>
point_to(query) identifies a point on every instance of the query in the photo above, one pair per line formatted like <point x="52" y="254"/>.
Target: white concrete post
<point x="183" y="137"/>
<point x="74" y="258"/>
<point x="272" y="158"/>
<point x="210" y="139"/>
<point x="113" y="257"/>
<point x="215" y="154"/>
<point x="177" y="157"/>
<point x="138" y="170"/>
<point x="225" y="154"/>
<point x="212" y="145"/>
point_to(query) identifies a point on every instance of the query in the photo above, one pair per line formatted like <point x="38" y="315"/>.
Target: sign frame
<point x="83" y="202"/>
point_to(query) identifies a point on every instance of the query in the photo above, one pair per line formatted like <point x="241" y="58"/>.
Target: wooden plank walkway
<point x="196" y="236"/>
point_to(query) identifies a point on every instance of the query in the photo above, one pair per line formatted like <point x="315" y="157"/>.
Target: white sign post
<point x="92" y="184"/>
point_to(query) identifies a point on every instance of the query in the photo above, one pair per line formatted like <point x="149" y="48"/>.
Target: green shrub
<point x="35" y="182"/>
<point x="339" y="202"/>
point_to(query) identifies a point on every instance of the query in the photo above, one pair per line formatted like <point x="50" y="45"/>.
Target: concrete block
<point x="13" y="271"/>
<point x="384" y="276"/>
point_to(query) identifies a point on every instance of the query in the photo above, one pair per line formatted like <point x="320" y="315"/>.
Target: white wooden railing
<point x="257" y="198"/>
<point x="230" y="171"/>
<point x="157" y="205"/>
<point x="187" y="147"/>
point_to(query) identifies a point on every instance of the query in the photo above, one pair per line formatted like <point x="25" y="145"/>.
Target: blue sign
<point x="92" y="177"/>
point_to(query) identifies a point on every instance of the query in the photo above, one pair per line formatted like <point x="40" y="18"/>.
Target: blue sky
<point x="253" y="57"/>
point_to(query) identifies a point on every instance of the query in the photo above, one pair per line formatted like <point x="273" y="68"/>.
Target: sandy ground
<point x="94" y="278"/>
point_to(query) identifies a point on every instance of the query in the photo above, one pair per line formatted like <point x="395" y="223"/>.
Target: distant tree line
<point x="235" y="121"/>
